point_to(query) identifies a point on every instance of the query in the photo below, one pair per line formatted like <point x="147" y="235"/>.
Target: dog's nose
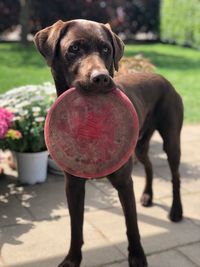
<point x="100" y="78"/>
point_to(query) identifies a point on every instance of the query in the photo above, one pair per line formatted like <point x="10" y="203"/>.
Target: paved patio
<point x="34" y="221"/>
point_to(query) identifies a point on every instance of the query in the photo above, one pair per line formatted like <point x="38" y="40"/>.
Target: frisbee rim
<point x="127" y="103"/>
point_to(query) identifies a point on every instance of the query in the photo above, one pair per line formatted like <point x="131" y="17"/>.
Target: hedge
<point x="180" y="22"/>
<point x="139" y="15"/>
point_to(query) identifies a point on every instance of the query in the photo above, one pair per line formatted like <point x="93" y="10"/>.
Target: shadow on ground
<point x="23" y="206"/>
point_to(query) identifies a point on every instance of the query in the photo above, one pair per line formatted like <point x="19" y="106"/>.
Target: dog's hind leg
<point x="170" y="130"/>
<point x="122" y="181"/>
<point x="75" y="191"/>
<point x="172" y="148"/>
<point x="141" y="152"/>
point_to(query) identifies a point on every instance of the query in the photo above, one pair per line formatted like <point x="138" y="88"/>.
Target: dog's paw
<point x="146" y="200"/>
<point x="176" y="213"/>
<point x="68" y="263"/>
<point x="138" y="261"/>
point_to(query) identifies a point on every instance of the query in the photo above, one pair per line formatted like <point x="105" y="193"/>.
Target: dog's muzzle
<point x="100" y="78"/>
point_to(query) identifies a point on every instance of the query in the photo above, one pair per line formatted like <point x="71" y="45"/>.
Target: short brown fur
<point x="85" y="54"/>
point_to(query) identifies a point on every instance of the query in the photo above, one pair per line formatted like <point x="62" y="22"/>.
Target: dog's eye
<point x="74" y="48"/>
<point x="106" y="50"/>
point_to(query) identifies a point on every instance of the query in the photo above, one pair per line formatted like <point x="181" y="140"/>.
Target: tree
<point x="24" y="19"/>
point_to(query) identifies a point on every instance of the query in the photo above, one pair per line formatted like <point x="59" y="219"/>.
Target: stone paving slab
<point x="162" y="188"/>
<point x="187" y="171"/>
<point x="33" y="242"/>
<point x="154" y="227"/>
<point x="191" y="207"/>
<point x="190" y="133"/>
<point x="34" y="220"/>
<point x="44" y="202"/>
<point x="192" y="252"/>
<point x="121" y="264"/>
<point x="12" y="212"/>
<point x="171" y="258"/>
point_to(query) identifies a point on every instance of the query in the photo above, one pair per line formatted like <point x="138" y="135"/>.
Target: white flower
<point x="36" y="109"/>
<point x="36" y="97"/>
<point x="17" y="118"/>
<point x="23" y="112"/>
<point x="39" y="119"/>
<point x="13" y="109"/>
<point x="23" y="104"/>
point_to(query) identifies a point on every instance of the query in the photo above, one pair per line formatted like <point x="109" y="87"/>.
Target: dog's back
<point x="154" y="98"/>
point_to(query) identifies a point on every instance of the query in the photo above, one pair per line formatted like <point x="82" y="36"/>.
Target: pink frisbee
<point x="91" y="136"/>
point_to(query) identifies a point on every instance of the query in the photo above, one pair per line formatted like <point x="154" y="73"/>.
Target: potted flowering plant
<point x="24" y="134"/>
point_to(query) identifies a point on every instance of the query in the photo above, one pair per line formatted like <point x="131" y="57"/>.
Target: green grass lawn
<point x="21" y="65"/>
<point x="181" y="66"/>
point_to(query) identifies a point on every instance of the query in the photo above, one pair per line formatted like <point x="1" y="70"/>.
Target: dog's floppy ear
<point x="47" y="39"/>
<point x="118" y="46"/>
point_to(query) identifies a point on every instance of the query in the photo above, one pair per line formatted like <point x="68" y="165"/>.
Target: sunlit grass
<point x="181" y="66"/>
<point x="21" y="66"/>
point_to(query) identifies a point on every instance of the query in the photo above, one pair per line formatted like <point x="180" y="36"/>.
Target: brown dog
<point x="84" y="54"/>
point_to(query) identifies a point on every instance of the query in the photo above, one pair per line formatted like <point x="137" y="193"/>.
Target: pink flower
<point x="18" y="135"/>
<point x="3" y="128"/>
<point x="5" y="121"/>
<point x="6" y="116"/>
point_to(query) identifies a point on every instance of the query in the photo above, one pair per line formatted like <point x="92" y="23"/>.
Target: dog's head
<point x="81" y="53"/>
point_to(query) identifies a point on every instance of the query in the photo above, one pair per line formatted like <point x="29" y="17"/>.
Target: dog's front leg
<point x="122" y="181"/>
<point x="75" y="191"/>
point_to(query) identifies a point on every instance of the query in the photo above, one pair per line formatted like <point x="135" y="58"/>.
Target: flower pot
<point x="53" y="167"/>
<point x="32" y="167"/>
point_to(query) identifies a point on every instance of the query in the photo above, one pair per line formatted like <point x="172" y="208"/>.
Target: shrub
<point x="180" y="22"/>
